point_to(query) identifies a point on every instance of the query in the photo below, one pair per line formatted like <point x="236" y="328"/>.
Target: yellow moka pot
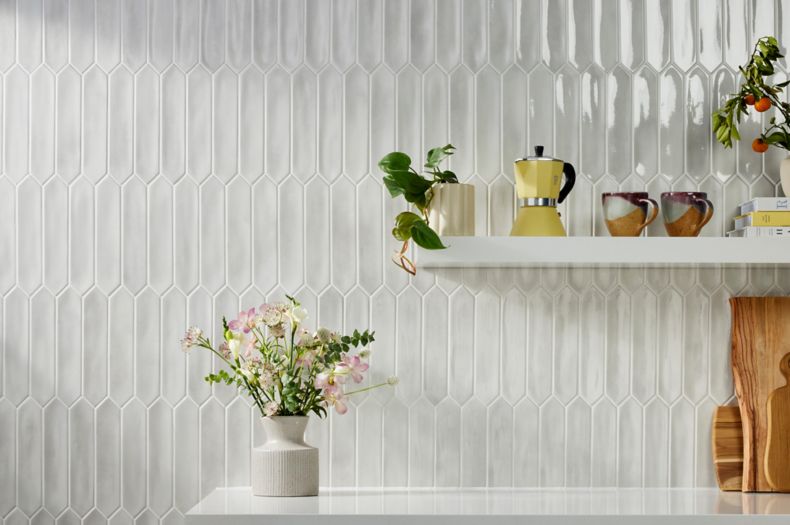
<point x="538" y="187"/>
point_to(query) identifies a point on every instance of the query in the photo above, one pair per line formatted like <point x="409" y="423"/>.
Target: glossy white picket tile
<point x="198" y="124"/>
<point x="147" y="346"/>
<point x="630" y="438"/>
<point x="264" y="35"/>
<point x="212" y="34"/>
<point x="160" y="457"/>
<point x="146" y="162"/>
<point x="133" y="233"/>
<point x="409" y="347"/>
<point x="368" y="443"/>
<point x="566" y="345"/>
<point x="487" y="329"/>
<point x="552" y="444"/>
<point x="593" y="123"/>
<point x="185" y="235"/>
<point x="133" y="454"/>
<point x="577" y="444"/>
<point x="474" y="434"/>
<point x="81" y="457"/>
<point x="67" y="161"/>
<point x="395" y="444"/>
<point x="16" y="123"/>
<point x="604" y="447"/>
<point x="55" y="457"/>
<point x="121" y="349"/>
<point x="8" y="454"/>
<point x="42" y="368"/>
<point x="94" y="133"/>
<point x="343" y="41"/>
<point x="225" y="139"/>
<point x="681" y="444"/>
<point x="186" y="468"/>
<point x="160" y="238"/>
<point x="121" y="123"/>
<point x="108" y="457"/>
<point x="29" y="440"/>
<point x="448" y="456"/>
<point x="95" y="339"/>
<point x="370" y="22"/>
<point x="240" y="419"/>
<point x="69" y="338"/>
<point x="108" y="33"/>
<point x="525" y="453"/>
<point x="160" y="34"/>
<point x="134" y="28"/>
<point x="656" y="439"/>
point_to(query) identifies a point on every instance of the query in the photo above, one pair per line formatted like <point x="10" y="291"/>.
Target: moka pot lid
<point x="539" y="156"/>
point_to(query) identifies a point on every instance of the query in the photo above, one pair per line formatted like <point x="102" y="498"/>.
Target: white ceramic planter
<point x="784" y="174"/>
<point x="285" y="465"/>
<point x="452" y="209"/>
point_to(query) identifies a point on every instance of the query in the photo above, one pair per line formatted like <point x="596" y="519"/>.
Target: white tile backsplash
<point x="165" y="162"/>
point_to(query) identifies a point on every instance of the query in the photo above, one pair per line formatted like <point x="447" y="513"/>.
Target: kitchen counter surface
<point x="237" y="506"/>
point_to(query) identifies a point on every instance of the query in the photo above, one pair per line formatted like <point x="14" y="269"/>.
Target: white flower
<point x="392" y="380"/>
<point x="323" y="335"/>
<point x="234" y="345"/>
<point x="298" y="314"/>
<point x="247" y="374"/>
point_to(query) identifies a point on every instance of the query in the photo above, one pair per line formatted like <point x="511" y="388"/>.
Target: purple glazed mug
<point x="685" y="212"/>
<point x="627" y="214"/>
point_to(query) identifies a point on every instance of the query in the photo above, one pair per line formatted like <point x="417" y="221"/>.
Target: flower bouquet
<point x="289" y="373"/>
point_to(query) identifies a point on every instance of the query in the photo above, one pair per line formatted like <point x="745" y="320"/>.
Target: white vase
<point x="285" y="465"/>
<point x="784" y="174"/>
<point x="452" y="209"/>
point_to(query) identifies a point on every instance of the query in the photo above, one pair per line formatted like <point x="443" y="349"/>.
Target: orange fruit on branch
<point x="764" y="104"/>
<point x="759" y="145"/>
<point x="749" y="99"/>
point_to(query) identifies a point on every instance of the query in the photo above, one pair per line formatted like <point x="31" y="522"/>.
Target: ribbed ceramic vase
<point x="285" y="465"/>
<point x="784" y="175"/>
<point x="452" y="209"/>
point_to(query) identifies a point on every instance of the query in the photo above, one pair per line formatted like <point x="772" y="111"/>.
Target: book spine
<point x="765" y="204"/>
<point x="760" y="218"/>
<point x="759" y="231"/>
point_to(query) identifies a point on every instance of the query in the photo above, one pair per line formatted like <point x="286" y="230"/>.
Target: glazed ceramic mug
<point x="627" y="214"/>
<point x="685" y="212"/>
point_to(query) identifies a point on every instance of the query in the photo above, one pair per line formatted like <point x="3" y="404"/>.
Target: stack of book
<point x="763" y="217"/>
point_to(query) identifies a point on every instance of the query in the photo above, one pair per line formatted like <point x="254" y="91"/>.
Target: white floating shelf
<point x="514" y="252"/>
<point x="237" y="506"/>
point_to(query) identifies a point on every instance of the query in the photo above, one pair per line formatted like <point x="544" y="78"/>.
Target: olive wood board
<point x="760" y="342"/>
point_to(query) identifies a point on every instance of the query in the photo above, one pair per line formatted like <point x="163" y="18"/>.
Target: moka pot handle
<point x="570" y="180"/>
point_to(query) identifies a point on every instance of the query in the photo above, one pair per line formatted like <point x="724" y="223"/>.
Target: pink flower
<point x="271" y="408"/>
<point x="325" y="382"/>
<point x="337" y="400"/>
<point x="245" y="322"/>
<point x="224" y="349"/>
<point x="355" y="367"/>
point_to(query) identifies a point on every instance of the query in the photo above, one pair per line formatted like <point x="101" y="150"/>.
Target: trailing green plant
<point x="756" y="90"/>
<point x="401" y="179"/>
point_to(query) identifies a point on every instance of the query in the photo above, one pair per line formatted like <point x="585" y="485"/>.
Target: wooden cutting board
<point x="727" y="440"/>
<point x="760" y="338"/>
<point x="777" y="448"/>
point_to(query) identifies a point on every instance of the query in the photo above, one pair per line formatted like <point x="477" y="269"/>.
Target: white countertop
<point x="237" y="506"/>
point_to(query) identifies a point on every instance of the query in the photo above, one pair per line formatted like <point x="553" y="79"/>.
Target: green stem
<point x="366" y="389"/>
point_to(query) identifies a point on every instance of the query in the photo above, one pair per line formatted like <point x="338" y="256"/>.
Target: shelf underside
<point x="515" y="252"/>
